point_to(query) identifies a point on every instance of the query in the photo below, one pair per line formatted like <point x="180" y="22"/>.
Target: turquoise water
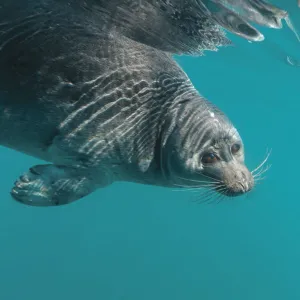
<point x="134" y="242"/>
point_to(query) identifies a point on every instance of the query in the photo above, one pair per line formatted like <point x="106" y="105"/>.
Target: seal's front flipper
<point x="49" y="185"/>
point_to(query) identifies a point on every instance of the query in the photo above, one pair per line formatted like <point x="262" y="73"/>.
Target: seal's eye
<point x="235" y="148"/>
<point x="209" y="158"/>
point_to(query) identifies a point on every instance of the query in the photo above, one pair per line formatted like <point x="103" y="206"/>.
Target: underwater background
<point x="135" y="242"/>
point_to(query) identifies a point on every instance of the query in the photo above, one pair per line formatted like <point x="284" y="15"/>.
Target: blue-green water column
<point x="133" y="242"/>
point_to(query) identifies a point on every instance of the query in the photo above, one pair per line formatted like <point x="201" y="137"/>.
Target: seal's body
<point x="102" y="107"/>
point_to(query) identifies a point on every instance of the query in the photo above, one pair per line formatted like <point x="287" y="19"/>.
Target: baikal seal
<point x="91" y="88"/>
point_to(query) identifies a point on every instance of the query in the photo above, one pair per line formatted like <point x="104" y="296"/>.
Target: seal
<point x="100" y="107"/>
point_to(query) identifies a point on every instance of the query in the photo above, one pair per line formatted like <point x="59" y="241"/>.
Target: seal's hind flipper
<point x="50" y="185"/>
<point x="231" y="21"/>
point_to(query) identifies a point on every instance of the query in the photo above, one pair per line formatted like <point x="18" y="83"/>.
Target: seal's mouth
<point x="240" y="183"/>
<point x="235" y="190"/>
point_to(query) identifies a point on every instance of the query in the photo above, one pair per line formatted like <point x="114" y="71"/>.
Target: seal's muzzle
<point x="237" y="180"/>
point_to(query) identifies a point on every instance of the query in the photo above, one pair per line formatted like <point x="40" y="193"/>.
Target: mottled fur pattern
<point x="85" y="94"/>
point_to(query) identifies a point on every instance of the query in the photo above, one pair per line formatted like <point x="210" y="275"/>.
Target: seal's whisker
<point x="260" y="178"/>
<point x="215" y="196"/>
<point x="199" y="181"/>
<point x="262" y="171"/>
<point x="187" y="189"/>
<point x="207" y="176"/>
<point x="213" y="199"/>
<point x="262" y="163"/>
<point x="195" y="186"/>
<point x="261" y="174"/>
<point x="207" y="194"/>
<point x="197" y="198"/>
<point x="203" y="188"/>
<point x="207" y="199"/>
<point x="220" y="198"/>
<point x="221" y="188"/>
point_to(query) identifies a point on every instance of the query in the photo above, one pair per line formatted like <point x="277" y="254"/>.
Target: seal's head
<point x="205" y="150"/>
